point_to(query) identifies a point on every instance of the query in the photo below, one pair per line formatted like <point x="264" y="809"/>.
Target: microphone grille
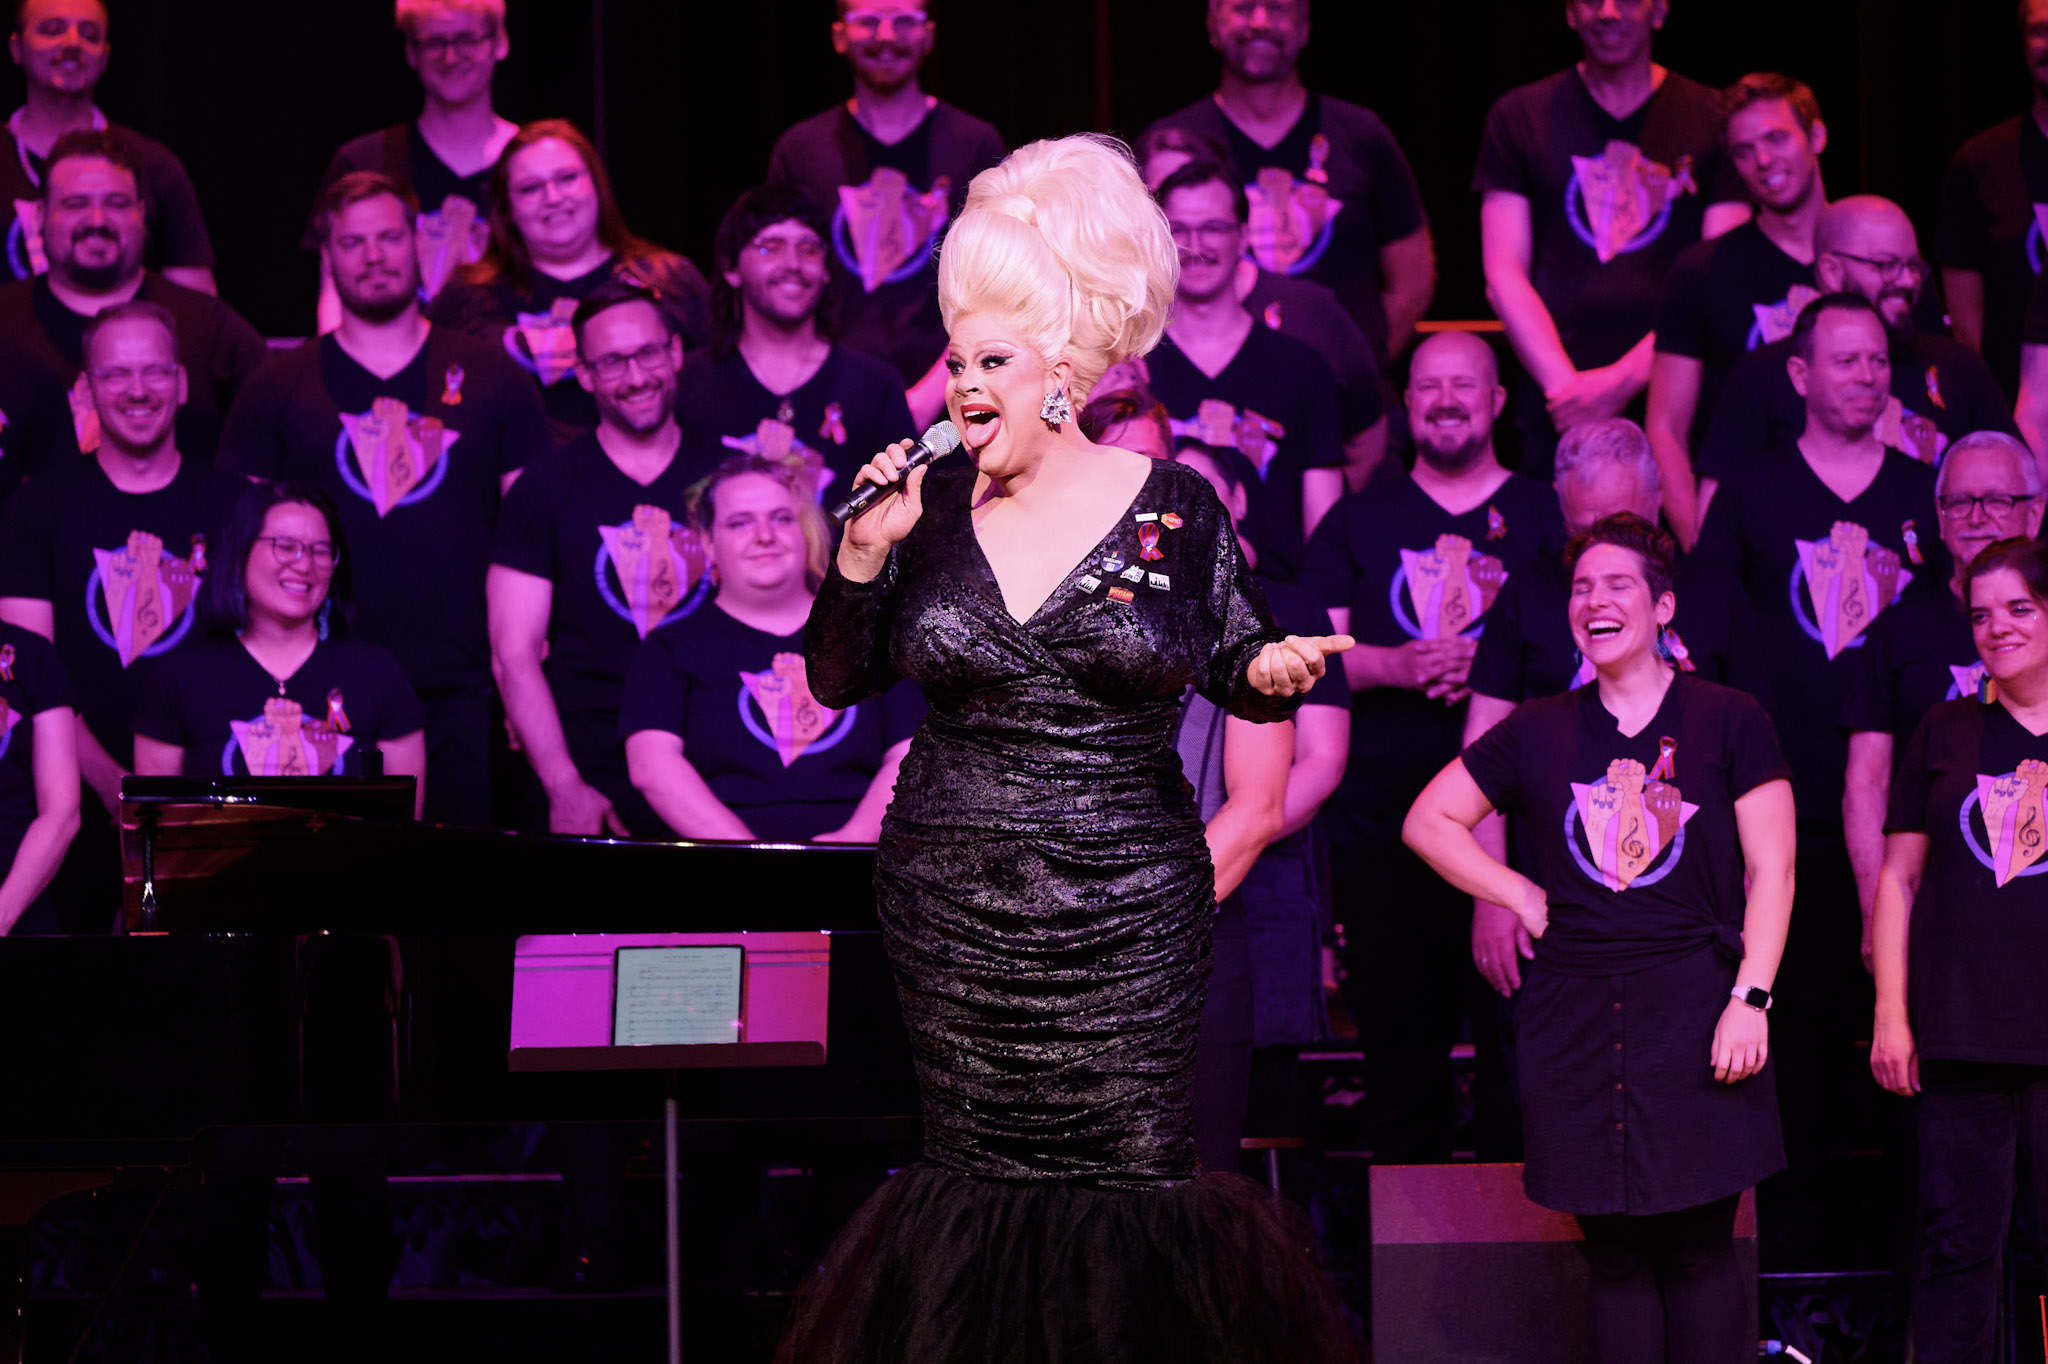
<point x="941" y="438"/>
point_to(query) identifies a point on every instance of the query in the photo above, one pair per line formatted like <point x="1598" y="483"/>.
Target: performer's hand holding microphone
<point x="886" y="503"/>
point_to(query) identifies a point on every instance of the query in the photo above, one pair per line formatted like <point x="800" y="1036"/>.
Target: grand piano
<point x="300" y="951"/>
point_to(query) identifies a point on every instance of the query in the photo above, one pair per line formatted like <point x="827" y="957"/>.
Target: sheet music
<point x="675" y="996"/>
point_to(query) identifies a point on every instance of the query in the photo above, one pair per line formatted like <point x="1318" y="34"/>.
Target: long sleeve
<point x="1244" y="625"/>
<point x="846" y="640"/>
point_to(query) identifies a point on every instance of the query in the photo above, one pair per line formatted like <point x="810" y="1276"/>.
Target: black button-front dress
<point x="1046" y="896"/>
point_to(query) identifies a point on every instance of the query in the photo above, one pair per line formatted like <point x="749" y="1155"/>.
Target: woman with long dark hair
<point x="276" y="689"/>
<point x="1647" y="1098"/>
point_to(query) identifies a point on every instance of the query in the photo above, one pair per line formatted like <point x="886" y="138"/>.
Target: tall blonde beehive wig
<point x="1062" y="241"/>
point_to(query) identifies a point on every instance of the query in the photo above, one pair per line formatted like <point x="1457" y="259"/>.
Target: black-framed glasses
<point x="289" y="549"/>
<point x="1214" y="233"/>
<point x="463" y="45"/>
<point x="124" y="376"/>
<point x="1889" y="268"/>
<point x="1994" y="504"/>
<point x="653" y="358"/>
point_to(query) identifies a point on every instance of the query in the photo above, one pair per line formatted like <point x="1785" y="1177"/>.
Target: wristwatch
<point x="1753" y="997"/>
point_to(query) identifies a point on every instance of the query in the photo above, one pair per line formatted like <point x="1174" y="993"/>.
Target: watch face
<point x="1757" y="999"/>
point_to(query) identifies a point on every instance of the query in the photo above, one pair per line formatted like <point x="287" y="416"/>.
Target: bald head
<point x="1855" y="222"/>
<point x="1866" y="245"/>
<point x="1460" y="350"/>
<point x="1454" y="396"/>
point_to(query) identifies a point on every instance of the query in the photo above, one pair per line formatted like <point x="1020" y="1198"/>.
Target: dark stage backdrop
<point x="688" y="95"/>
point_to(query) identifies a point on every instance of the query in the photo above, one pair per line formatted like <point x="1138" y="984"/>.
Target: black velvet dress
<point x="1046" y="896"/>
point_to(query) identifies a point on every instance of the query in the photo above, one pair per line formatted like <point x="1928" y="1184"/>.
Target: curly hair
<point x="1647" y="540"/>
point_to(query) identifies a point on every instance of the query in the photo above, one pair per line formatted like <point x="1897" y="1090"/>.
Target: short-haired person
<point x="1661" y="887"/>
<point x="275" y="687"/>
<point x="414" y="431"/>
<point x="446" y="154"/>
<point x="774" y="383"/>
<point x="62" y="47"/>
<point x="1741" y="290"/>
<point x="96" y="229"/>
<point x="1602" y="468"/>
<point x="894" y="163"/>
<point x="1411" y="567"/>
<point x="723" y="735"/>
<point x="1958" y="944"/>
<point x="1129" y="419"/>
<point x="1939" y="391"/>
<point x="1921" y="652"/>
<point x="563" y="637"/>
<point x="1334" y="199"/>
<point x="104" y="555"/>
<point x="1988" y="237"/>
<point x="1594" y="180"/>
<point x="557" y="236"/>
<point x="1229" y="381"/>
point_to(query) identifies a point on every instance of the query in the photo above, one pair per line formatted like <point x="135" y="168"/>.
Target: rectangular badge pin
<point x="1146" y="516"/>
<point x="1089" y="582"/>
<point x="1159" y="580"/>
<point x="1122" y="594"/>
<point x="1133" y="574"/>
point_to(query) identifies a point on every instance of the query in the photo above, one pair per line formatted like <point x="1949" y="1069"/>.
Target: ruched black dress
<point x="1046" y="896"/>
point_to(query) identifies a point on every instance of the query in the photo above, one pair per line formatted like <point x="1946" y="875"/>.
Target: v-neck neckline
<point x="1611" y="723"/>
<point x="988" y="568"/>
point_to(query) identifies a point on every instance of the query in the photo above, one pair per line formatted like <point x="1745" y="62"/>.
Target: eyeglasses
<point x="653" y="358"/>
<point x="865" y="23"/>
<point x="1889" y="268"/>
<point x="531" y="192"/>
<point x="463" y="45"/>
<point x="121" y="376"/>
<point x="1994" y="504"/>
<point x="807" y="248"/>
<point x="1217" y="233"/>
<point x="289" y="549"/>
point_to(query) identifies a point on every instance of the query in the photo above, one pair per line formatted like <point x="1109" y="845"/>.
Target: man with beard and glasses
<point x="104" y="556"/>
<point x="563" y="640"/>
<point x="1846" y="520"/>
<point x="95" y="230"/>
<point x="1410" y="567"/>
<point x="773" y="383"/>
<point x="61" y="47"/>
<point x="1742" y="290"/>
<point x="1229" y="382"/>
<point x="1594" y="180"/>
<point x="1989" y="234"/>
<point x="1333" y="198"/>
<point x="895" y="164"/>
<point x="1940" y="390"/>
<point x="446" y="154"/>
<point x="415" y="431"/>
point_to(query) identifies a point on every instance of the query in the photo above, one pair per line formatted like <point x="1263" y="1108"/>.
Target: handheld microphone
<point x="939" y="440"/>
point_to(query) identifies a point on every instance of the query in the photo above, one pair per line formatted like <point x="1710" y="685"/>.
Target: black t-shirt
<point x="177" y="229"/>
<point x="1941" y="392"/>
<point x="1993" y="202"/>
<point x="1275" y="401"/>
<point x="1725" y="298"/>
<point x="1324" y="199"/>
<point x="216" y="345"/>
<point x="35" y="417"/>
<point x="32" y="681"/>
<point x="121" y="572"/>
<point x="844" y="414"/>
<point x="1312" y="315"/>
<point x="890" y="205"/>
<point x="1818" y="572"/>
<point x="621" y="555"/>
<point x="414" y="463"/>
<point x="1527" y="650"/>
<point x="1977" y="946"/>
<point x="1634" y="838"/>
<point x="1919" y="654"/>
<point x="234" y="719"/>
<point x="738" y="697"/>
<point x="454" y="224"/>
<point x="1388" y="554"/>
<point x="534" y="323"/>
<point x="1612" y="201"/>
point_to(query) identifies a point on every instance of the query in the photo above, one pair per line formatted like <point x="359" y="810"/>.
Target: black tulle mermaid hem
<point x="941" y="1268"/>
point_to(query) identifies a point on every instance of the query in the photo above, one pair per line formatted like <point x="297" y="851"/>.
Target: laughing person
<point x="1648" y="1105"/>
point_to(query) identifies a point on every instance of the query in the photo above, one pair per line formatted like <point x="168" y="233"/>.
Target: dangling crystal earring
<point x="1055" y="411"/>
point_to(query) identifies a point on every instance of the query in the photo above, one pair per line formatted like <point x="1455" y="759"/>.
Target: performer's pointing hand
<point x="870" y="535"/>
<point x="1293" y="665"/>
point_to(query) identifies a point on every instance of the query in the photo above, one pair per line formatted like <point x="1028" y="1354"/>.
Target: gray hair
<point x="2030" y="471"/>
<point x="1613" y="440"/>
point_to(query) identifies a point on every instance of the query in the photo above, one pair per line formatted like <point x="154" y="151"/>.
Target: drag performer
<point x="1045" y="889"/>
<point x="1648" y="1104"/>
<point x="1958" y="940"/>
